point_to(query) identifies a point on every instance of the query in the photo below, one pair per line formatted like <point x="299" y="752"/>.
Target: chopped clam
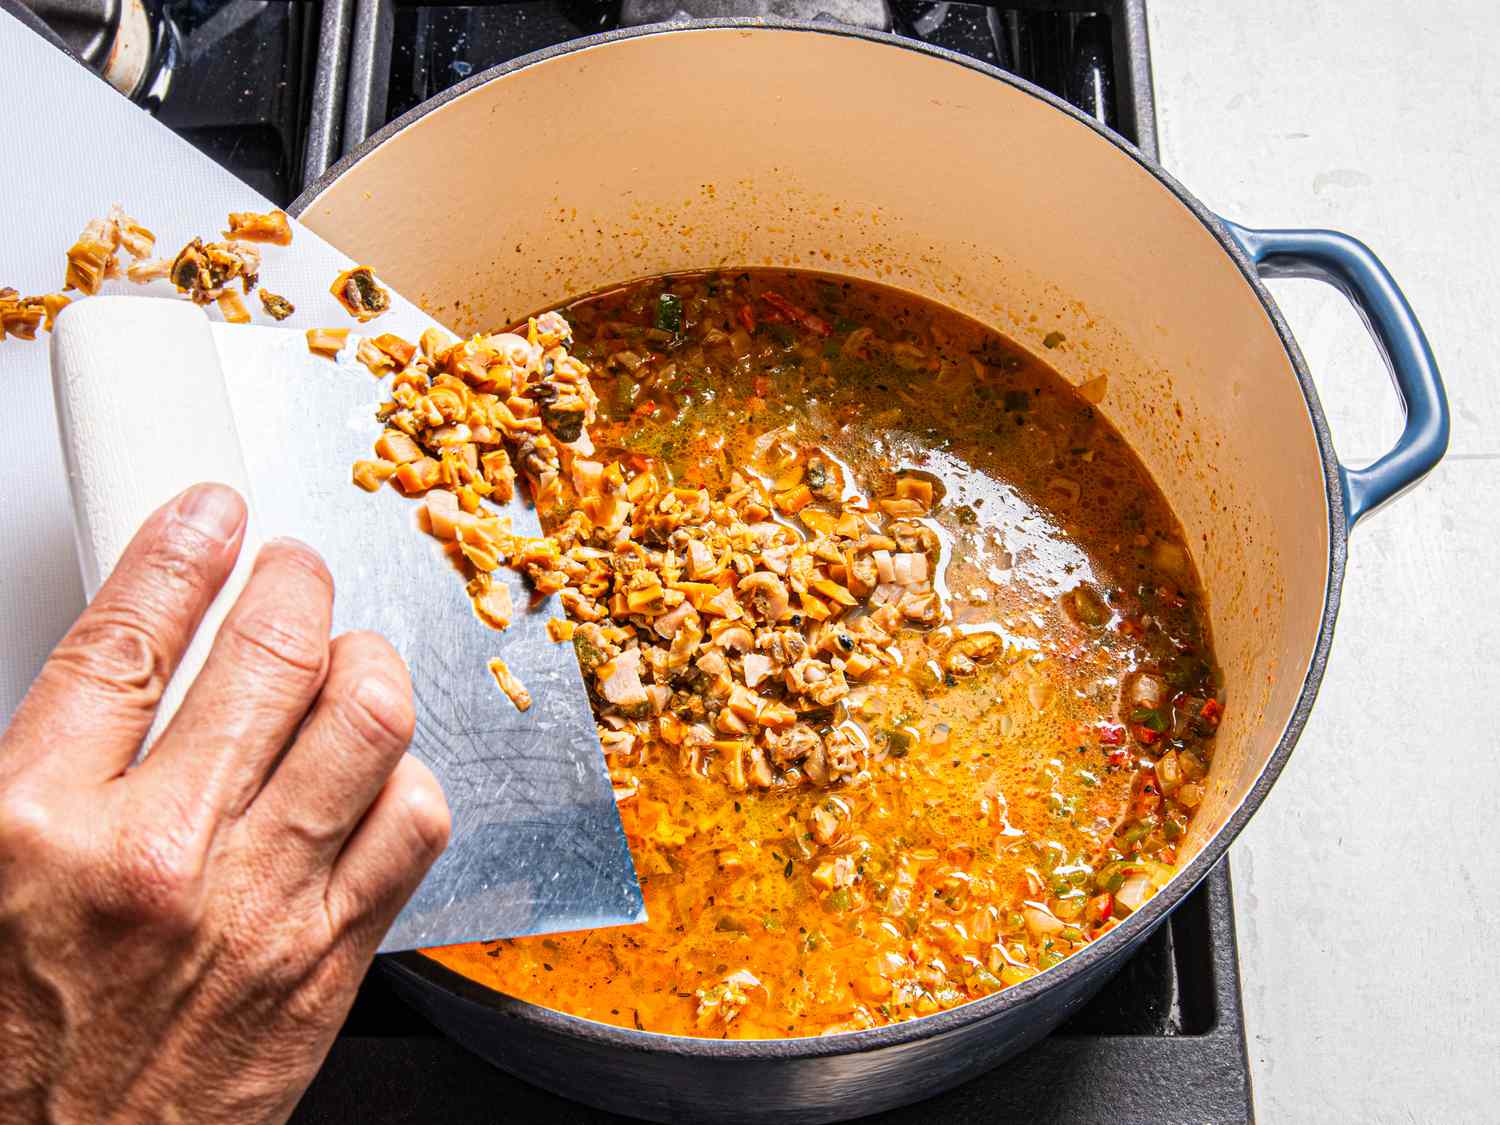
<point x="491" y="600"/>
<point x="247" y="226"/>
<point x="360" y="294"/>
<point x="202" y="271"/>
<point x="371" y="474"/>
<point x="327" y="341"/>
<point x="756" y="667"/>
<point x="233" y="308"/>
<point x="20" y="317"/>
<point x="277" y="307"/>
<point x="52" y="304"/>
<point x="92" y="258"/>
<point x="620" y="679"/>
<point x="151" y="269"/>
<point x="701" y="621"/>
<point x="514" y="690"/>
<point x="133" y="238"/>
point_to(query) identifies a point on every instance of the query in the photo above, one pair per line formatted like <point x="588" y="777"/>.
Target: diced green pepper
<point x="899" y="741"/>
<point x="988" y="980"/>
<point x="1151" y="718"/>
<point x="669" y="313"/>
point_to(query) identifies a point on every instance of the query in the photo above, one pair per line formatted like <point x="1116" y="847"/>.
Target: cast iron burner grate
<point x="277" y="91"/>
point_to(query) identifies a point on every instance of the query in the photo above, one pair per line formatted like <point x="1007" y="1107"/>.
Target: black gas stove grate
<point x="277" y="91"/>
<point x="1091" y="52"/>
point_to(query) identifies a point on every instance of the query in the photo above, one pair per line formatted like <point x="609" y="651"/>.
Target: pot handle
<point x="1348" y="264"/>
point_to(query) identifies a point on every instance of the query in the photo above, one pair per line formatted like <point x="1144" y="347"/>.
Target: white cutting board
<point x="65" y="165"/>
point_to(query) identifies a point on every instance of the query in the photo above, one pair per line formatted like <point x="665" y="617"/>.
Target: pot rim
<point x="1139" y="924"/>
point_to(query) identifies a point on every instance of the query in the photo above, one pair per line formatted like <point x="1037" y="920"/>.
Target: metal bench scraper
<point x="152" y="397"/>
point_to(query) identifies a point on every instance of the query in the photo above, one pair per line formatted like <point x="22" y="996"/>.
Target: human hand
<point x="181" y="940"/>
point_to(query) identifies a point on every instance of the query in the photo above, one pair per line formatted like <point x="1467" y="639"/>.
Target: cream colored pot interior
<point x="737" y="147"/>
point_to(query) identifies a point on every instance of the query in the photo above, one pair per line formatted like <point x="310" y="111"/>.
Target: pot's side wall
<point x="728" y="147"/>
<point x="671" y="1087"/>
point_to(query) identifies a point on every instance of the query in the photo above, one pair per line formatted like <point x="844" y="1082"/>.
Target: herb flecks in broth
<point x="960" y="705"/>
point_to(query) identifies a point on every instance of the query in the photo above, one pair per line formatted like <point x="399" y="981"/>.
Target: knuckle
<point x="28" y="825"/>
<point x="155" y="877"/>
<point x="316" y="830"/>
<point x="324" y="987"/>
<point x="425" y="818"/>
<point x="378" y="712"/>
<point x="362" y="647"/>
<point x="300" y="558"/>
<point x="272" y="635"/>
<point x="116" y="651"/>
<point x="178" y="560"/>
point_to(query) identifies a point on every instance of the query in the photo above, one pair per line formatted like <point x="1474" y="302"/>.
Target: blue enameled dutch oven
<point x="747" y="144"/>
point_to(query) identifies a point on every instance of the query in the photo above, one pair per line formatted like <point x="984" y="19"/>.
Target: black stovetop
<point x="276" y="91"/>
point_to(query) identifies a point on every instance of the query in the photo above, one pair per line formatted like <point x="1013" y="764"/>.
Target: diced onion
<point x="1134" y="892"/>
<point x="1040" y="921"/>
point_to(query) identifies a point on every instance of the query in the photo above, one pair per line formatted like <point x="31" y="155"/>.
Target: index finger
<point x="95" y="698"/>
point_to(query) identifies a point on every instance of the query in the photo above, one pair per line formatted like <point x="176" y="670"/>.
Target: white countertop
<point x="1367" y="885"/>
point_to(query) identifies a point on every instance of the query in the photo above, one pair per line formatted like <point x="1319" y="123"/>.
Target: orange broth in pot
<point x="1007" y="785"/>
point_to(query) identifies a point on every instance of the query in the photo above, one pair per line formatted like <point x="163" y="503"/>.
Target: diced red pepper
<point x="1147" y="798"/>
<point x="1111" y="734"/>
<point x="1145" y="735"/>
<point x="1100" y="907"/>
<point x="814" y="324"/>
<point x="1117" y="756"/>
<point x="747" y="317"/>
<point x="1211" y="711"/>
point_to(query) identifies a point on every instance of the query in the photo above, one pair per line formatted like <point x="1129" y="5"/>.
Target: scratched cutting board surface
<point x="537" y="844"/>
